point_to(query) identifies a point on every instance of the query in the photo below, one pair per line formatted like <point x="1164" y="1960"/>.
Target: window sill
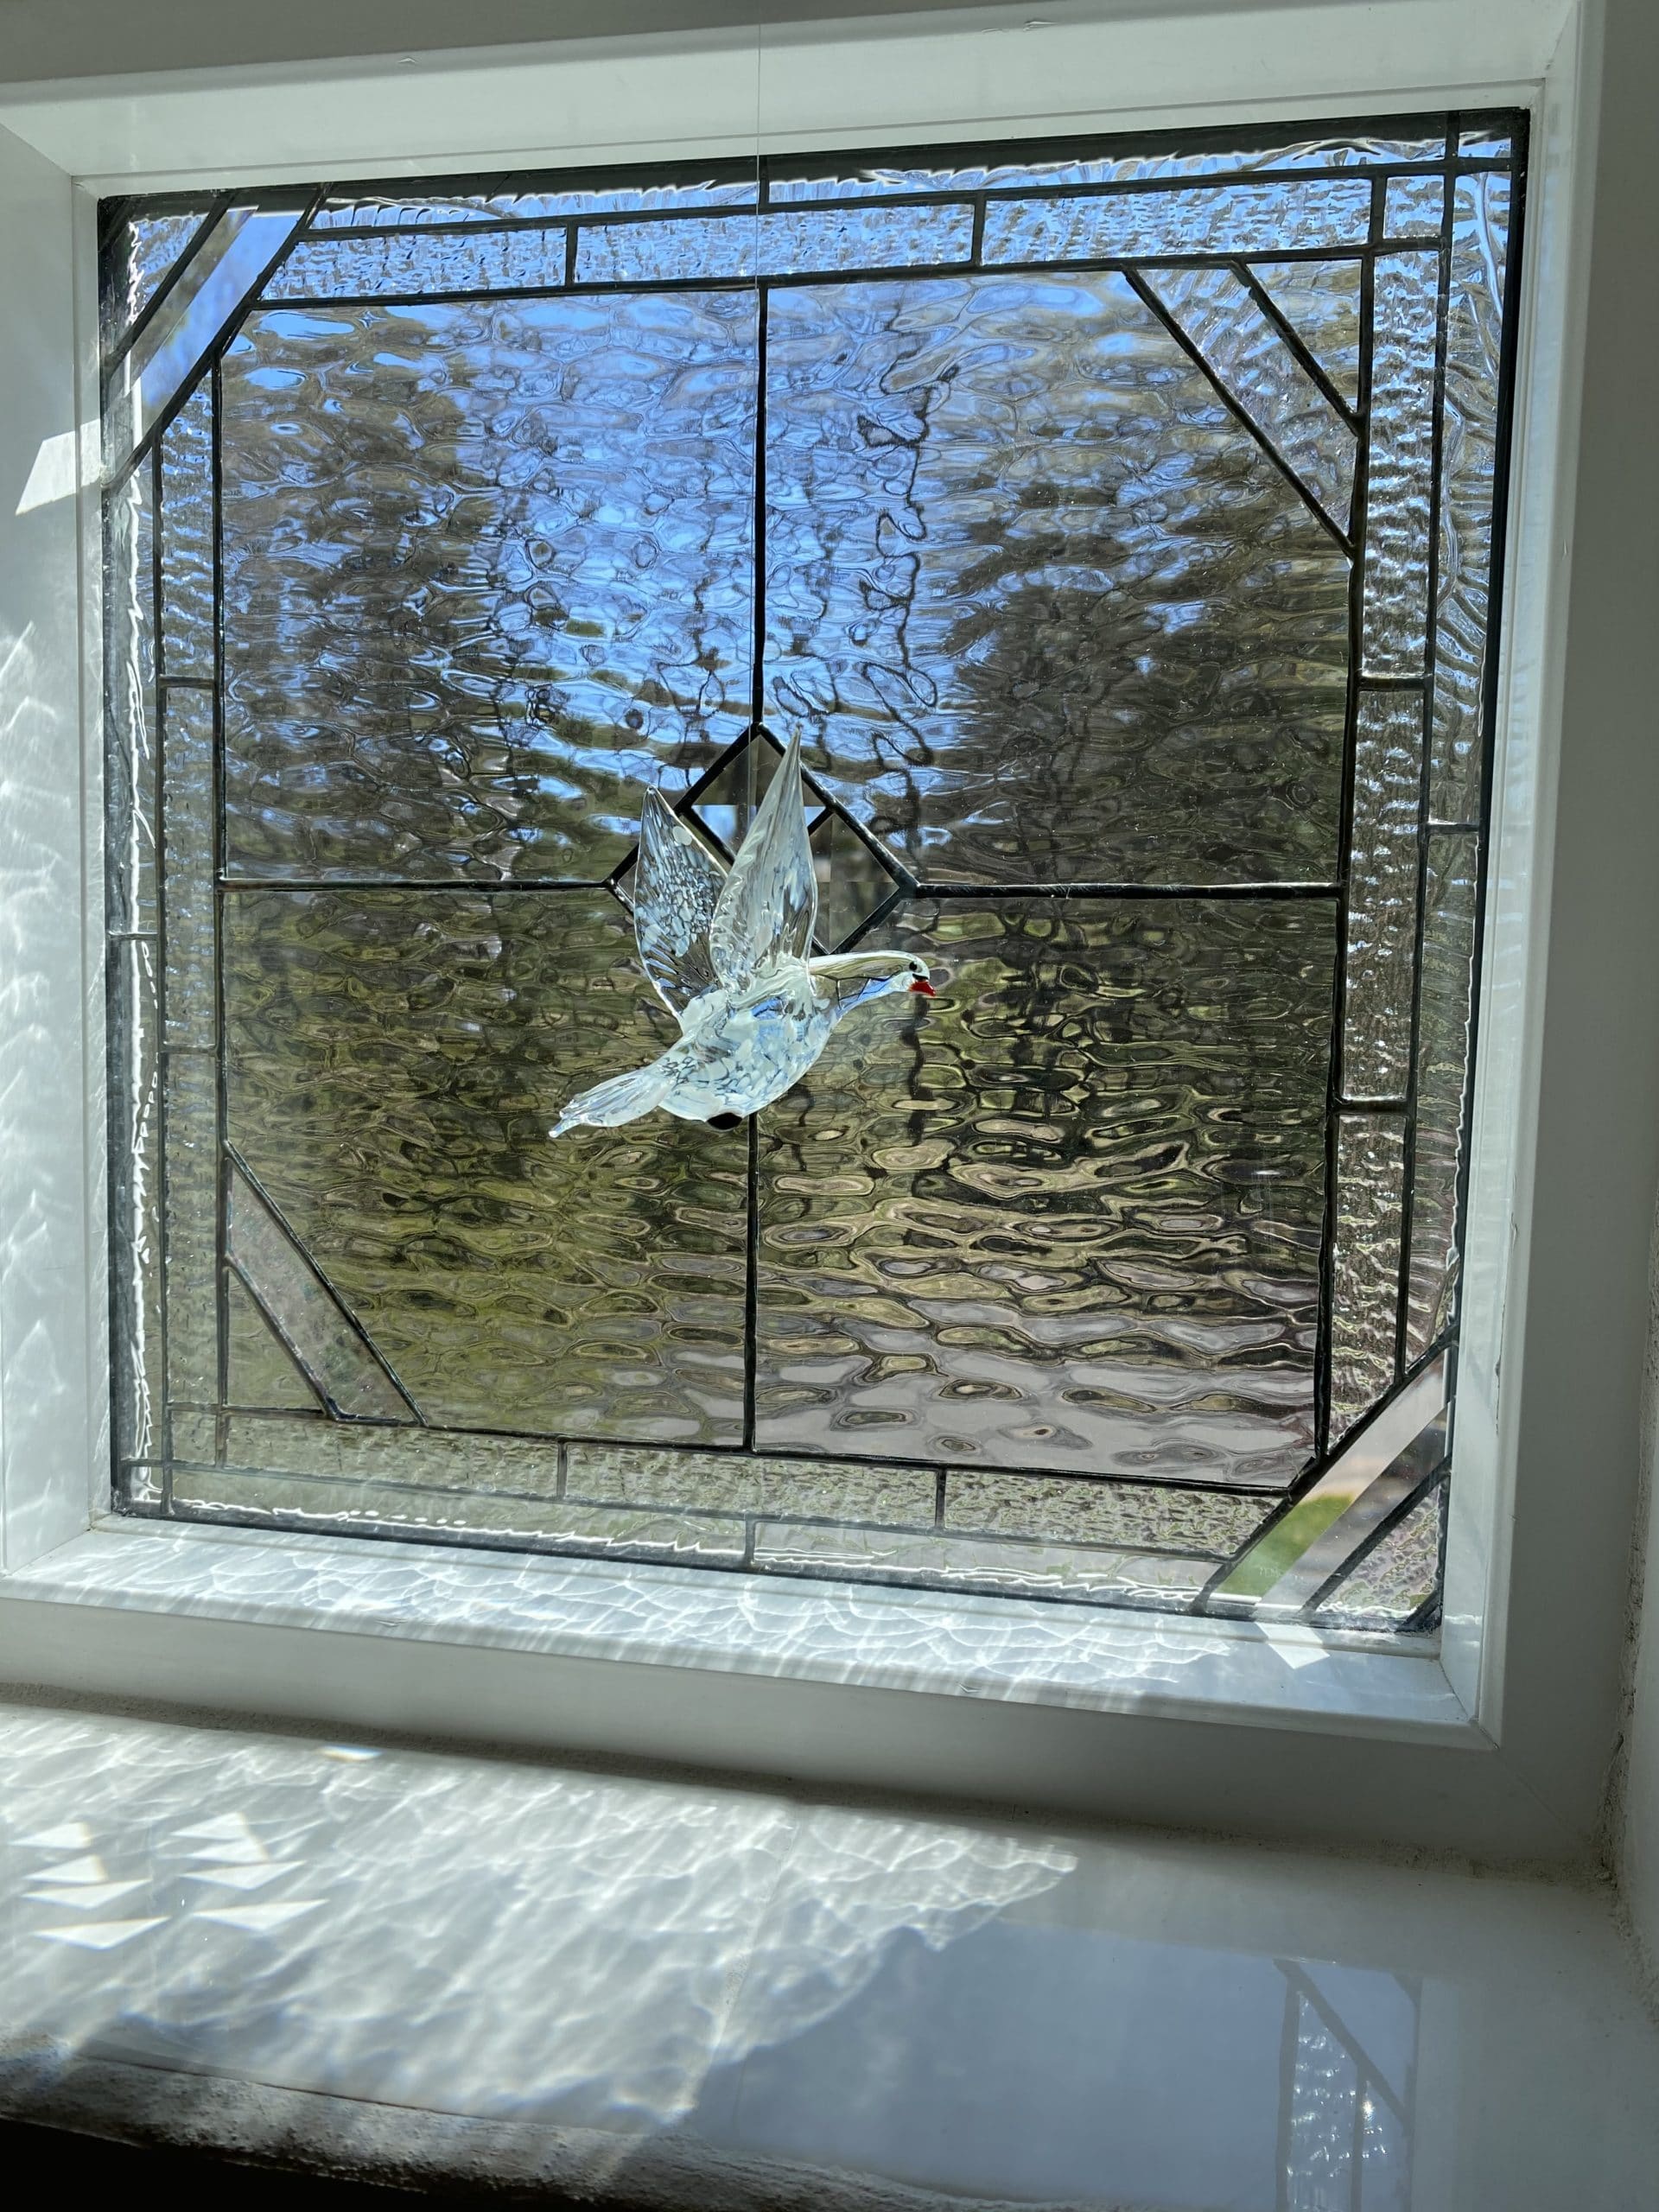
<point x="1156" y="1666"/>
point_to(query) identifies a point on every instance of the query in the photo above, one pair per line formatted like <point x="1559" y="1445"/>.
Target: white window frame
<point x="1488" y="1745"/>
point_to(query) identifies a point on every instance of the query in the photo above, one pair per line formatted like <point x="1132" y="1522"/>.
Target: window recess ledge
<point x="1152" y="1665"/>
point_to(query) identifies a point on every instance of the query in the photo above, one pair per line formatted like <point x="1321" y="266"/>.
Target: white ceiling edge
<point x="935" y="76"/>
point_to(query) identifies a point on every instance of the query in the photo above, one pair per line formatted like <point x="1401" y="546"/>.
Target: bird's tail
<point x="624" y="1098"/>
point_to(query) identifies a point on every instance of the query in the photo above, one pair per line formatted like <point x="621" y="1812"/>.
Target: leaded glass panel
<point x="1117" y="529"/>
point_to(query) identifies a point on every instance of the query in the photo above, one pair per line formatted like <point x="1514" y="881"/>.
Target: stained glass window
<point x="1119" y="530"/>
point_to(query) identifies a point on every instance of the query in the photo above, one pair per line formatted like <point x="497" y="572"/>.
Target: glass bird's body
<point x="727" y="953"/>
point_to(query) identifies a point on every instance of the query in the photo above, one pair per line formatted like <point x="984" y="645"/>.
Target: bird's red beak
<point x="922" y="987"/>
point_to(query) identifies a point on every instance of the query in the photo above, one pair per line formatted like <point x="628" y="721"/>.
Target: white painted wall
<point x="1636" y="1810"/>
<point x="1613" y="865"/>
<point x="43" y="1220"/>
<point x="1583" y="1346"/>
<point x="95" y="38"/>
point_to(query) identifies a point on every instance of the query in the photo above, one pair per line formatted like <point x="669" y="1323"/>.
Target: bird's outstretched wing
<point x="676" y="887"/>
<point x="770" y="900"/>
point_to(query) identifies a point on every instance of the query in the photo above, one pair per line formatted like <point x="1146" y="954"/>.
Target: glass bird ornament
<point x="727" y="953"/>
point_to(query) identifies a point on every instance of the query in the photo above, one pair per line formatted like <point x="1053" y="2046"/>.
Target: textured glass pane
<point x="1070" y="1214"/>
<point x="1398" y="1576"/>
<point x="1320" y="300"/>
<point x="446" y="261"/>
<point x="1365" y="1275"/>
<point x="1414" y="206"/>
<point x="136" y="1197"/>
<point x="156" y="242"/>
<point x="191" y="1025"/>
<point x="1469" y="454"/>
<point x="386" y="210"/>
<point x="427" y="1459"/>
<point x="152" y="244"/>
<point x="209" y="292"/>
<point x="846" y="182"/>
<point x="196" y="1439"/>
<point x="1250" y="357"/>
<point x="1041" y="606"/>
<point x="1402" y="444"/>
<point x="487" y="575"/>
<point x="1494" y="145"/>
<point x="395" y="1062"/>
<point x="192" y="1227"/>
<point x="225" y="251"/>
<point x="1216" y="219"/>
<point x="1383" y="894"/>
<point x="1364" y="1481"/>
<point x="531" y="1524"/>
<point x="295" y="1300"/>
<point x="1442" y="1075"/>
<point x="1299" y="1555"/>
<point x="188" y="828"/>
<point x="133" y="753"/>
<point x="819" y="1489"/>
<point x="263" y="1371"/>
<point x="773" y="245"/>
<point x="187" y="539"/>
<point x="852" y="882"/>
<point x="1206" y="1523"/>
<point x="195" y="1436"/>
<point x="1016" y="1570"/>
<point x="500" y="1487"/>
<point x="727" y="803"/>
